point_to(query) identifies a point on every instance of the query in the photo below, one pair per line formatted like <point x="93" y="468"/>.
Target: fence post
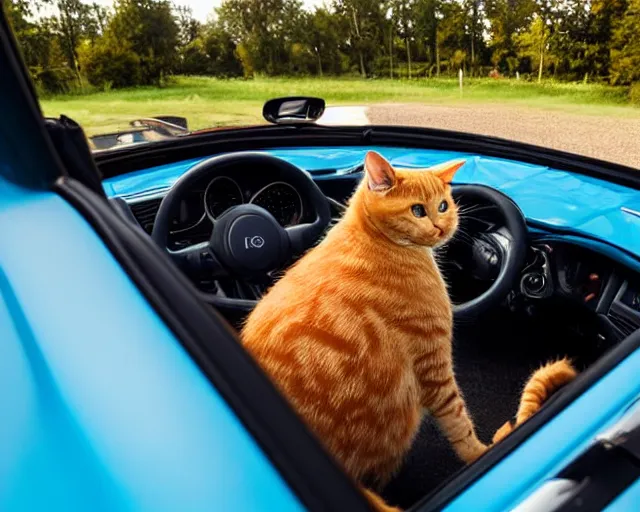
<point x="460" y="76"/>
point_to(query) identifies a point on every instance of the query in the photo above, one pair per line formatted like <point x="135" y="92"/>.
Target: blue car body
<point x="101" y="407"/>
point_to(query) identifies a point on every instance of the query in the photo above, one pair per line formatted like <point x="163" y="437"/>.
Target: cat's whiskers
<point x="467" y="211"/>
<point x="462" y="237"/>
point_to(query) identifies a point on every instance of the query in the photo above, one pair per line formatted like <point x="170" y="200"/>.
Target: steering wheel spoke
<point x="199" y="260"/>
<point x="300" y="237"/>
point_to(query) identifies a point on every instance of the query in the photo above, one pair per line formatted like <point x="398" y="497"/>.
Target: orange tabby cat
<point x="541" y="385"/>
<point x="357" y="334"/>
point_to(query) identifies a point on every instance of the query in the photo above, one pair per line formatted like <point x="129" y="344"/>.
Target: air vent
<point x="145" y="213"/>
<point x="624" y="325"/>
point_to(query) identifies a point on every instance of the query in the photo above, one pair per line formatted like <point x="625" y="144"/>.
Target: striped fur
<point x="357" y="334"/>
<point x="543" y="383"/>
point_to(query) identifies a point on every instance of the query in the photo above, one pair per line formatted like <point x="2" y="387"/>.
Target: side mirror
<point x="298" y="109"/>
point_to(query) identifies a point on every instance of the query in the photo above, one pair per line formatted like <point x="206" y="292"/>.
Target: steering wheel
<point x="495" y="254"/>
<point x="247" y="241"/>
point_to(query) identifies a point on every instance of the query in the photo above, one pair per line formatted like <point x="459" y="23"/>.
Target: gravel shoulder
<point x="607" y="138"/>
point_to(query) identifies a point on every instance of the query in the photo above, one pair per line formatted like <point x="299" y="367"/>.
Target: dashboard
<point x="590" y="281"/>
<point x="556" y="269"/>
<point x="211" y="198"/>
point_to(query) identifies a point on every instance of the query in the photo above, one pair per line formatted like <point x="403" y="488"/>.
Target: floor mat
<point x="492" y="364"/>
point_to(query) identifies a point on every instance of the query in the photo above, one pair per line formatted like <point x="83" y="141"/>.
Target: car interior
<point x="522" y="296"/>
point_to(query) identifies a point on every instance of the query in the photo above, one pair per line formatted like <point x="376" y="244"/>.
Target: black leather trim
<point x="124" y="210"/>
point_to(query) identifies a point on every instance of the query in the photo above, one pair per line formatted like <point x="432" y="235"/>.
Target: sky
<point x="202" y="8"/>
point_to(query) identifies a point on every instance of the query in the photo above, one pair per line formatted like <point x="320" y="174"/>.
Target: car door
<point x="119" y="388"/>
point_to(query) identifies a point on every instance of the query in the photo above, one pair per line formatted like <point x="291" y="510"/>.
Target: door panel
<point x="105" y="408"/>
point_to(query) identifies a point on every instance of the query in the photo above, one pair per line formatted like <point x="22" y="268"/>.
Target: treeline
<point x="141" y="42"/>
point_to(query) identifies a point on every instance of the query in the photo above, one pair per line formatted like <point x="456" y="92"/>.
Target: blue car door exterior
<point x="102" y="408"/>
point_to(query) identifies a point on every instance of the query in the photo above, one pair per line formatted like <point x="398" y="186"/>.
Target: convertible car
<point x="125" y="273"/>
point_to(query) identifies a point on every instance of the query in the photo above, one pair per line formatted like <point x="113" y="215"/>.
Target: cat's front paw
<point x="473" y="452"/>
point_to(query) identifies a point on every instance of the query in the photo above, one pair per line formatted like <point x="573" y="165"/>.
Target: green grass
<point x="211" y="102"/>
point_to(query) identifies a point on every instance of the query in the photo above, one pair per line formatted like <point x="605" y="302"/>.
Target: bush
<point x="223" y="55"/>
<point x="244" y="56"/>
<point x="108" y="63"/>
<point x="194" y="59"/>
<point x="634" y="94"/>
<point x="54" y="80"/>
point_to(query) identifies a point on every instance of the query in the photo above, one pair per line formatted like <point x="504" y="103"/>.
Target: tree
<point x="366" y="30"/>
<point x="546" y="15"/>
<point x="110" y="62"/>
<point x="625" y="47"/>
<point x="266" y="30"/>
<point x="150" y="29"/>
<point x="325" y="34"/>
<point x="75" y="21"/>
<point x="569" y="42"/>
<point x="188" y="27"/>
<point x="404" y="24"/>
<point x="604" y="16"/>
<point x="443" y="27"/>
<point x="148" y="39"/>
<point x="192" y="56"/>
<point x="99" y="20"/>
<point x="532" y="45"/>
<point x="473" y="10"/>
<point x="222" y="52"/>
<point x="40" y="46"/>
<point x="428" y="16"/>
<point x="507" y="18"/>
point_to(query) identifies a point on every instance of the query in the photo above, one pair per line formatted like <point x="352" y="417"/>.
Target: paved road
<point x="608" y="138"/>
<point x="345" y="116"/>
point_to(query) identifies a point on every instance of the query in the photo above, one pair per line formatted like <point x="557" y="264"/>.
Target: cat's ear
<point x="380" y="174"/>
<point x="447" y="170"/>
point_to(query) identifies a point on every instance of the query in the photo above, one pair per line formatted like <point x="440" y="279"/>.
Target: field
<point x="211" y="102"/>
<point x="591" y="119"/>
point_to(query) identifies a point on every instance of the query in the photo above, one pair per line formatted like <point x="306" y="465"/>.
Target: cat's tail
<point x="542" y="384"/>
<point x="378" y="504"/>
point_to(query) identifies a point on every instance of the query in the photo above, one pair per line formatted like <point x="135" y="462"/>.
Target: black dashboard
<point x="209" y="199"/>
<point x="588" y="280"/>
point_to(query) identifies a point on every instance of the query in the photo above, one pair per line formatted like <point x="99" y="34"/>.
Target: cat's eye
<point x="443" y="207"/>
<point x="418" y="210"/>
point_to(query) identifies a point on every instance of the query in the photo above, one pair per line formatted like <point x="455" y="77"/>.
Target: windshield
<point x="562" y="74"/>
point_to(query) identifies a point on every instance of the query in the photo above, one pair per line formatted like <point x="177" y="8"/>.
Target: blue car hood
<point x="549" y="197"/>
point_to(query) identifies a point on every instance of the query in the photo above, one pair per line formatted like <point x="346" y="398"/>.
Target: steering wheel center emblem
<point x="253" y="242"/>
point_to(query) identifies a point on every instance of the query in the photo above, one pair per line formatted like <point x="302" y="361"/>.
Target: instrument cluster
<point x="208" y="201"/>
